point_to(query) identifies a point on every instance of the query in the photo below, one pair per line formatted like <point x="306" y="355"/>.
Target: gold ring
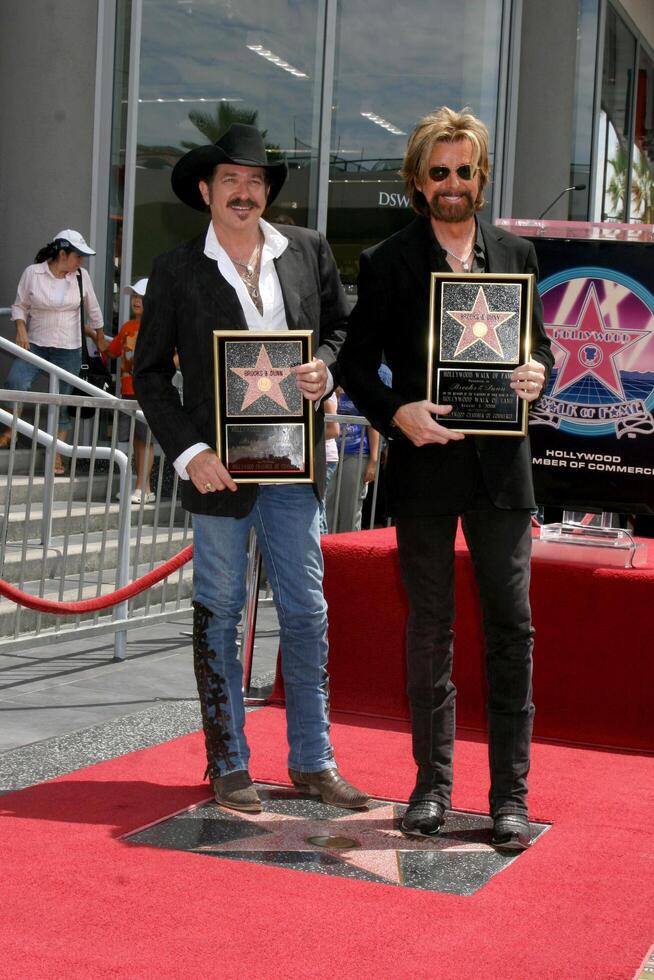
<point x="208" y="486"/>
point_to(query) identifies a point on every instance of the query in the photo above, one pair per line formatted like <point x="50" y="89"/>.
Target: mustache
<point x="242" y="202"/>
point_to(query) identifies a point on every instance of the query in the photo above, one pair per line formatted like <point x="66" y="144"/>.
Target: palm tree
<point x="616" y="187"/>
<point x="642" y="189"/>
<point x="213" y="126"/>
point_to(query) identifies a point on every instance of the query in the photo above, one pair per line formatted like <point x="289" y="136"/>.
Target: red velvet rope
<point x="101" y="601"/>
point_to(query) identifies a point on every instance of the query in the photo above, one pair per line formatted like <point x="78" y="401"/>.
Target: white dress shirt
<point x="50" y="306"/>
<point x="270" y="290"/>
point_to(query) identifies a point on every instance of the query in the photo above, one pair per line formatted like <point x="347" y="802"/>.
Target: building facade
<point x="101" y="97"/>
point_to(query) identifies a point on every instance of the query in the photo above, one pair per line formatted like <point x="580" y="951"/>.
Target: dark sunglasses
<point x="464" y="172"/>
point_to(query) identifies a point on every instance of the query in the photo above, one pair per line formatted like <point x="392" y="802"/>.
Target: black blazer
<point x="186" y="300"/>
<point x="391" y="319"/>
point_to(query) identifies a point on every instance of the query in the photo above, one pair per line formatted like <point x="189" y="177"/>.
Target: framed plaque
<point x="479" y="332"/>
<point x="264" y="426"/>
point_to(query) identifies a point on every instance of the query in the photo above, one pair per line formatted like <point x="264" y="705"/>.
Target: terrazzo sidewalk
<point x="70" y="705"/>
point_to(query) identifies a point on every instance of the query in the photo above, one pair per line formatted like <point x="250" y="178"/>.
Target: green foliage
<point x="642" y="185"/>
<point x="214" y="125"/>
<point x="642" y="189"/>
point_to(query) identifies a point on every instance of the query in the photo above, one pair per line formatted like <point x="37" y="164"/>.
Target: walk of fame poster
<point x="479" y="332"/>
<point x="264" y="427"/>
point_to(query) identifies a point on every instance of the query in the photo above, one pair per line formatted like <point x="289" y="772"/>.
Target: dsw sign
<point x="388" y="200"/>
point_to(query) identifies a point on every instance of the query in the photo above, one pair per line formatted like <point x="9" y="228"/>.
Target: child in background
<point x="123" y="345"/>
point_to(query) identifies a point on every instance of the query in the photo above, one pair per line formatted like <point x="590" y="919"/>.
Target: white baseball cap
<point x="76" y="240"/>
<point x="138" y="289"/>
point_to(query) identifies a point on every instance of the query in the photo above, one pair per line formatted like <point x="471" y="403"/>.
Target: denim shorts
<point x="22" y="374"/>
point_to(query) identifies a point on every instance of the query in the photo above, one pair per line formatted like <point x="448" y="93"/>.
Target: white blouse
<point x="50" y="307"/>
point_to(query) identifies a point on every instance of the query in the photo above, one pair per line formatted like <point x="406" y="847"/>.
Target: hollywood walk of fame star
<point x="590" y="347"/>
<point x="375" y="836"/>
<point x="480" y="325"/>
<point x="263" y="379"/>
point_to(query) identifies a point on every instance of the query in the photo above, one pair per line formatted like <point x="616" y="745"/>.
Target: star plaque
<point x="264" y="427"/>
<point x="479" y="332"/>
<point x="305" y="835"/>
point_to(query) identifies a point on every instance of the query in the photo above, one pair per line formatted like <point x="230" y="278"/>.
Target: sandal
<point x="59" y="466"/>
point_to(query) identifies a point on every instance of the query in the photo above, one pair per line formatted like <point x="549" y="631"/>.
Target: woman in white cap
<point x="123" y="346"/>
<point x="47" y="316"/>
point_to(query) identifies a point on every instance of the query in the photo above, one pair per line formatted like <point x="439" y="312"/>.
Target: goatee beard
<point x="452" y="213"/>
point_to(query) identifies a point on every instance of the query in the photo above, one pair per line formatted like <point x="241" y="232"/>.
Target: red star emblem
<point x="590" y="347"/>
<point x="263" y="379"/>
<point x="480" y="325"/>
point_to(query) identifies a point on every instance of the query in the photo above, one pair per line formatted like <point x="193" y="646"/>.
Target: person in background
<point x="123" y="346"/>
<point x="332" y="429"/>
<point x="46" y="312"/>
<point x="358" y="466"/>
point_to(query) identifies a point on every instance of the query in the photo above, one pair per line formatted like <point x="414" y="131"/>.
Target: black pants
<point x="500" y="547"/>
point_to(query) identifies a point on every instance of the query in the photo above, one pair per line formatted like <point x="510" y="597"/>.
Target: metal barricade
<point x="334" y="490"/>
<point x="70" y="538"/>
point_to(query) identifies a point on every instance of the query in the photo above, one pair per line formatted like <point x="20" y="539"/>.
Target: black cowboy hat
<point x="241" y="144"/>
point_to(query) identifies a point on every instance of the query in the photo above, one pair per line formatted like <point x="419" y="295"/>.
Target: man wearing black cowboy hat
<point x="245" y="274"/>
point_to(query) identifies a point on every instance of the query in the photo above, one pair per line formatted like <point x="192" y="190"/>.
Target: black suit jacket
<point x="391" y="319"/>
<point x="186" y="300"/>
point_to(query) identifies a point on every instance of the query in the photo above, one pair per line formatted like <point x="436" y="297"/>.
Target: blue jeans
<point x="22" y="375"/>
<point x="285" y="519"/>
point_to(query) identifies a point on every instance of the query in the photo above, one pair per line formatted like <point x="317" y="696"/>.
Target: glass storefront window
<point x="204" y="65"/>
<point x="392" y="69"/>
<point x="117" y="177"/>
<point x="582" y="127"/>
<point x="615" y="119"/>
<point x="642" y="174"/>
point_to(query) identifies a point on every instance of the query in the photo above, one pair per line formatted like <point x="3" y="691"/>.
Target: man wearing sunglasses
<point x="435" y="475"/>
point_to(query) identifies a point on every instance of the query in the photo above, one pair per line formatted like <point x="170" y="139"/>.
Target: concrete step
<point x="22" y="489"/>
<point x="78" y="518"/>
<point x="22" y="460"/>
<point x="30" y="564"/>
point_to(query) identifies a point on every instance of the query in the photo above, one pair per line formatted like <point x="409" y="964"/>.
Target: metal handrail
<point x="362" y="421"/>
<point x="94" y="398"/>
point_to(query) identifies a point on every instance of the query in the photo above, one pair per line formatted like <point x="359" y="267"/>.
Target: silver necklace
<point x="250" y="275"/>
<point x="463" y="259"/>
<point x="251" y="263"/>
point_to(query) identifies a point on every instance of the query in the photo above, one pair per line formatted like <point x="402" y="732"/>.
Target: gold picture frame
<point x="479" y="332"/>
<point x="264" y="425"/>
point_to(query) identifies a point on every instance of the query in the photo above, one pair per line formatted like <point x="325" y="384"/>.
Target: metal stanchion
<point x="249" y="625"/>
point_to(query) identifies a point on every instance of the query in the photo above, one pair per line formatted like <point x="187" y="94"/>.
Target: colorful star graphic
<point x="590" y="347"/>
<point x="480" y="325"/>
<point x="263" y="379"/>
<point x="369" y="839"/>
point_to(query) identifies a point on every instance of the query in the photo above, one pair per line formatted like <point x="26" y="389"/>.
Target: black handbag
<point x="92" y="369"/>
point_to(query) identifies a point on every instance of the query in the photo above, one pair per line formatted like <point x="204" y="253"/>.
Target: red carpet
<point x="593" y="666"/>
<point x="78" y="903"/>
